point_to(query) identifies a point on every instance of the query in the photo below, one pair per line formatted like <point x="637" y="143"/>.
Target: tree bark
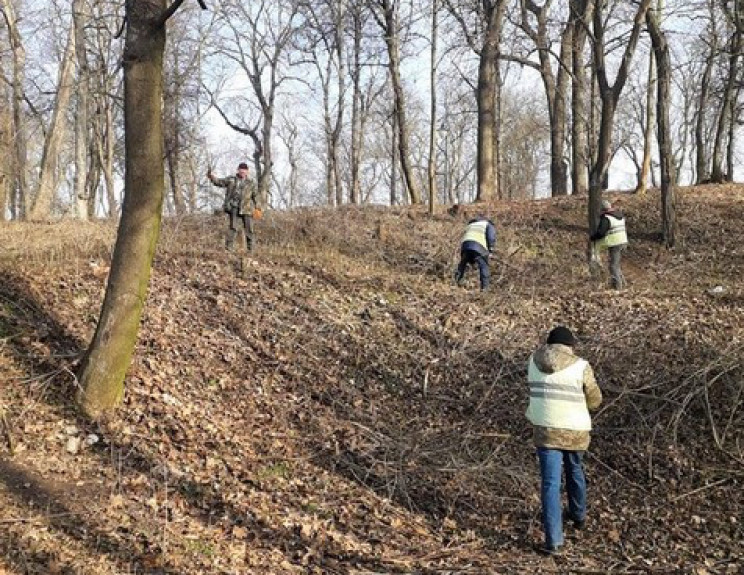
<point x="731" y="145"/>
<point x="355" y="193"/>
<point x="486" y="99"/>
<point x="80" y="190"/>
<point x="717" y="174"/>
<point x="664" y="132"/>
<point x="648" y="131"/>
<point x="609" y="95"/>
<point x="49" y="178"/>
<point x="102" y="371"/>
<point x="19" y="203"/>
<point x="339" y="13"/>
<point x="556" y="87"/>
<point x="581" y="14"/>
<point x="701" y="155"/>
<point x="432" y="167"/>
<point x="389" y="25"/>
<point x="6" y="151"/>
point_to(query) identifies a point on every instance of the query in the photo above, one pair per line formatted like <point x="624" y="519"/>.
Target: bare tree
<point x="6" y="148"/>
<point x="609" y="95"/>
<point x="735" y="18"/>
<point x="326" y="47"/>
<point x="104" y="366"/>
<point x="80" y="20"/>
<point x="648" y="129"/>
<point x="56" y="134"/>
<point x="106" y="105"/>
<point x="664" y="134"/>
<point x="387" y="16"/>
<point x="259" y="36"/>
<point x="19" y="187"/>
<point x="556" y="82"/>
<point x="581" y="15"/>
<point x="485" y="40"/>
<point x="432" y="165"/>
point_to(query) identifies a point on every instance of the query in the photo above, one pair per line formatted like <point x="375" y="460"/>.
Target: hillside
<point x="334" y="404"/>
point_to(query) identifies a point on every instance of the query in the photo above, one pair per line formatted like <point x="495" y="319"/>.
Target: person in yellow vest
<point x="611" y="235"/>
<point x="476" y="246"/>
<point x="562" y="391"/>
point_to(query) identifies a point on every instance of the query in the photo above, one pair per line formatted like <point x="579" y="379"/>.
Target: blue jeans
<point x="551" y="463"/>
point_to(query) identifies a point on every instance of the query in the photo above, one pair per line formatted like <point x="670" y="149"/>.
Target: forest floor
<point x="334" y="404"/>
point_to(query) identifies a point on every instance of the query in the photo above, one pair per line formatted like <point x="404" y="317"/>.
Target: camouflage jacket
<point x="550" y="359"/>
<point x="240" y="194"/>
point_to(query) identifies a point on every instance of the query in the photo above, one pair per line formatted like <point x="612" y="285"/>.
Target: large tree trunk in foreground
<point x="105" y="364"/>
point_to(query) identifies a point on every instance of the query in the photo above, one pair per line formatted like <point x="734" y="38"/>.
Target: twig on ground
<point x="699" y="489"/>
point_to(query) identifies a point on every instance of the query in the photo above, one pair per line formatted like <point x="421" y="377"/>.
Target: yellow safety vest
<point x="557" y="399"/>
<point x="476" y="232"/>
<point x="616" y="235"/>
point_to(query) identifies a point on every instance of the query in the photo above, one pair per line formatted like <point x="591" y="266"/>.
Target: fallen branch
<point x="699" y="489"/>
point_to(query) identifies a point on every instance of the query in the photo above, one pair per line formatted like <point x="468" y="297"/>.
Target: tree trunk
<point x="581" y="13"/>
<point x="727" y="107"/>
<point x="80" y="192"/>
<point x="356" y="133"/>
<point x="339" y="11"/>
<point x="49" y="178"/>
<point x="105" y="364"/>
<point x="731" y="146"/>
<point x="19" y="203"/>
<point x="394" y="149"/>
<point x="648" y="130"/>
<point x="392" y="41"/>
<point x="486" y="101"/>
<point x="432" y="167"/>
<point x="666" y="157"/>
<point x="328" y="130"/>
<point x="6" y="151"/>
<point x="701" y="149"/>
<point x="609" y="94"/>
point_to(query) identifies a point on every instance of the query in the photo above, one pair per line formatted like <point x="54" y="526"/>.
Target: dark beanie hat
<point x="562" y="335"/>
<point x="242" y="166"/>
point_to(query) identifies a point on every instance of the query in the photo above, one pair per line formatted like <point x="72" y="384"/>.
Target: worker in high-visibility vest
<point x="476" y="246"/>
<point x="563" y="390"/>
<point x="612" y="236"/>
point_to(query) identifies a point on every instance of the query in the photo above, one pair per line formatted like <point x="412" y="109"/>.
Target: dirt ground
<point x="334" y="404"/>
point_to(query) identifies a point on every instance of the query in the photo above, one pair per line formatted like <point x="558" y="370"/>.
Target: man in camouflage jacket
<point x="241" y="199"/>
<point x="562" y="391"/>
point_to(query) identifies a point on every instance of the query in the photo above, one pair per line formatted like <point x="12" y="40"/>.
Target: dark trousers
<point x="616" y="274"/>
<point x="232" y="232"/>
<point x="473" y="257"/>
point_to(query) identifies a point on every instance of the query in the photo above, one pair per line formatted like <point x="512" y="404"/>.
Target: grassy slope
<point x="335" y="405"/>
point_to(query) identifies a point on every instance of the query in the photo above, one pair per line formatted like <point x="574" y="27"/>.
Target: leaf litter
<point x="334" y="404"/>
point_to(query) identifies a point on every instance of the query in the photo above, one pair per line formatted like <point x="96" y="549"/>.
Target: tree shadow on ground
<point x="73" y="517"/>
